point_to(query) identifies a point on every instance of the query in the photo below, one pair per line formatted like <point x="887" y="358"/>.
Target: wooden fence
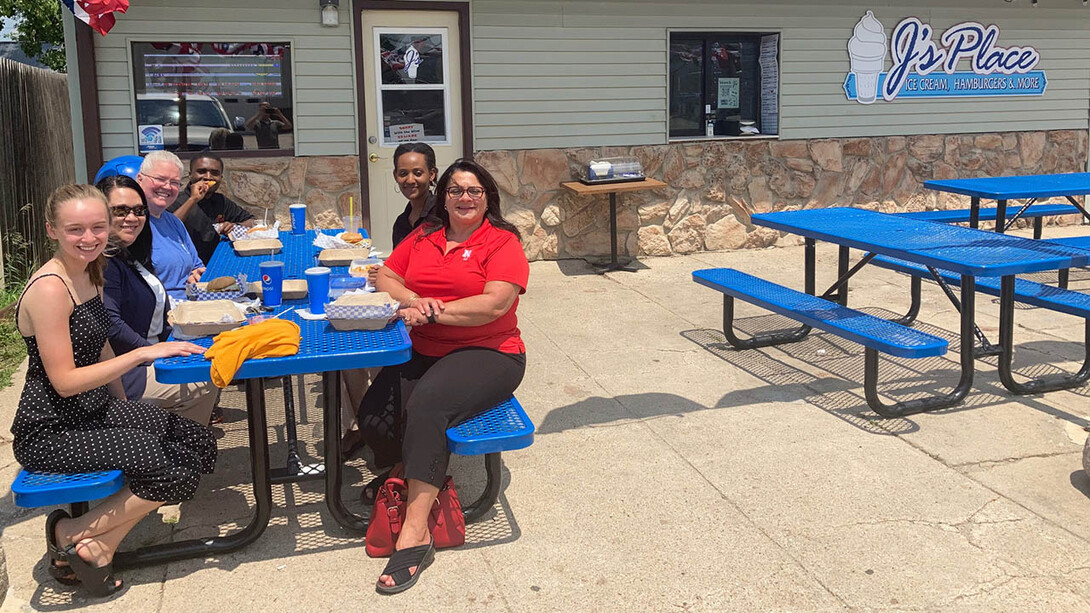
<point x="35" y="158"/>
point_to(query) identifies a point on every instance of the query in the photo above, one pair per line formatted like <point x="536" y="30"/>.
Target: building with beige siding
<point x="739" y="107"/>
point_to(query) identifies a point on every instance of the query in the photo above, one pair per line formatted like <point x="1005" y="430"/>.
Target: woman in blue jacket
<point x="137" y="304"/>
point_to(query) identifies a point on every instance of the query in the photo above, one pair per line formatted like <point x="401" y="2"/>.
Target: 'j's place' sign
<point x="923" y="68"/>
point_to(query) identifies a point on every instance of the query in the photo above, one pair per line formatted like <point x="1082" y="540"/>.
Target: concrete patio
<point x="671" y="473"/>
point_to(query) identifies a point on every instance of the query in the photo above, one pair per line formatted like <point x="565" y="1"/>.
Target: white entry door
<point x="412" y="92"/>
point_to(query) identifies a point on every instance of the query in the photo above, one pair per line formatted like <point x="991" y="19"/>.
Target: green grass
<point x="12" y="347"/>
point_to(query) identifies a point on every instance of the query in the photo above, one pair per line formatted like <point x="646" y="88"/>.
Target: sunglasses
<point x="123" y="211"/>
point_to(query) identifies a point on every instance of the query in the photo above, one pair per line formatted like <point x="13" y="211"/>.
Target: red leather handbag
<point x="446" y="522"/>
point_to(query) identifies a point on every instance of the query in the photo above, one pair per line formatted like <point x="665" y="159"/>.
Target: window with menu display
<point x="236" y="95"/>
<point x="724" y="84"/>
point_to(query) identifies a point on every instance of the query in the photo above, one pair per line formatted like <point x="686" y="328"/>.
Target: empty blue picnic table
<point x="966" y="252"/>
<point x="1003" y="189"/>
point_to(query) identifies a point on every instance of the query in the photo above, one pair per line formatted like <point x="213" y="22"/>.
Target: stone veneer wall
<point x="323" y="183"/>
<point x="712" y="186"/>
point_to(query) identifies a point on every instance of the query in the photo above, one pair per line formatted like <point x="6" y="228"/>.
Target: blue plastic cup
<point x="272" y="283"/>
<point x="298" y="218"/>
<point x="318" y="288"/>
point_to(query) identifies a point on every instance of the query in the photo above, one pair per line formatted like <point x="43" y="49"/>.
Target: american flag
<point x="97" y="13"/>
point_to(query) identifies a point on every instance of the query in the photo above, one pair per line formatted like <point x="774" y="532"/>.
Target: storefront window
<point x="236" y="95"/>
<point x="724" y="84"/>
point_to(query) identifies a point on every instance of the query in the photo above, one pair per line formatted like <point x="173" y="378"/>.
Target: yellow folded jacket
<point x="270" y="338"/>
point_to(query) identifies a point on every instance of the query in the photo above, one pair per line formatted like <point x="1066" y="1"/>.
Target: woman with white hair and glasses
<point x="173" y="254"/>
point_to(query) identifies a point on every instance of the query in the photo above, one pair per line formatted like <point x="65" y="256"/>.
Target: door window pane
<point x="413" y="94"/>
<point x="407" y="114"/>
<point x="411" y="58"/>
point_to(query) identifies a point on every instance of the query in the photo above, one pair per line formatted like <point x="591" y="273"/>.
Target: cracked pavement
<point x="671" y="473"/>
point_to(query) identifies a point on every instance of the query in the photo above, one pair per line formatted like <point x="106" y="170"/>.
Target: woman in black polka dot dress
<point x="72" y="415"/>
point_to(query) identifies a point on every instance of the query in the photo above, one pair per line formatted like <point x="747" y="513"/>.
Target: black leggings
<point x="435" y="394"/>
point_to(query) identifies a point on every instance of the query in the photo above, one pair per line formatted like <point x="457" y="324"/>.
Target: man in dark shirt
<point x="200" y="205"/>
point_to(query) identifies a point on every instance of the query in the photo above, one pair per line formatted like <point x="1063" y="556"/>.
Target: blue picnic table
<point x="298" y="254"/>
<point x="967" y="253"/>
<point x="322" y="349"/>
<point x="1002" y="189"/>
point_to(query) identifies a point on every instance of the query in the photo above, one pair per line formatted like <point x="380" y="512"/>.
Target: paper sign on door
<point x="407" y="133"/>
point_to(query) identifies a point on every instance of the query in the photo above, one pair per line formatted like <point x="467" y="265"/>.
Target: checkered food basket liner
<point x="361" y="311"/>
<point x="360" y="316"/>
<point x="242" y="232"/>
<point x="193" y="291"/>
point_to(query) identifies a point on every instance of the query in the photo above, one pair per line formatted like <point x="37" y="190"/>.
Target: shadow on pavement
<point x="300" y="523"/>
<point x="900" y="379"/>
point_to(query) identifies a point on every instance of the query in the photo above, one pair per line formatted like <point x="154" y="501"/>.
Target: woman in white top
<point x="137" y="304"/>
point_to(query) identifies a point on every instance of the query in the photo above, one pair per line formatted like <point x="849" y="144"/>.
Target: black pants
<point x="405" y="413"/>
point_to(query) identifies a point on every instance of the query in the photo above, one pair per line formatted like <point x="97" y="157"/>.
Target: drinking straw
<point x="350" y="209"/>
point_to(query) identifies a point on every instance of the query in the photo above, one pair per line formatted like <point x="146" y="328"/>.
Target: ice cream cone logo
<point x="867" y="52"/>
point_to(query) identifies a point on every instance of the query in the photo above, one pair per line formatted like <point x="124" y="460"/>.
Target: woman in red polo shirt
<point x="458" y="277"/>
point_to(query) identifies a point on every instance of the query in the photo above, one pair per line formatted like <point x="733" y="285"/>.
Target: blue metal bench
<point x="39" y="489"/>
<point x="1036" y="212"/>
<point x="1025" y="291"/>
<point x="1082" y="242"/>
<point x="874" y="333"/>
<point x="504" y="427"/>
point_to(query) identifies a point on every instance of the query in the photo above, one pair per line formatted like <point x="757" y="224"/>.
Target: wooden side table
<point x="612" y="189"/>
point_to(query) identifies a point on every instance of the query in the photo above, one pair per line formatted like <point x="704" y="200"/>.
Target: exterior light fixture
<point x="330" y="12"/>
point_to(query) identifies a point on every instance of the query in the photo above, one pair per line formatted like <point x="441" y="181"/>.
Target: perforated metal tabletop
<point x="321" y="349"/>
<point x="955" y="248"/>
<point x="1011" y="188"/>
<point x="298" y="254"/>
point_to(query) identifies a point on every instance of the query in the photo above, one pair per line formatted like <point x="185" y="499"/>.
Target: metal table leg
<point x="214" y="546"/>
<point x="965" y="382"/>
<point x="1047" y="383"/>
<point x="1000" y="216"/>
<point x="294" y="470"/>
<point x="331" y="391"/>
<point x="810" y="266"/>
<point x="914" y="306"/>
<point x="614" y="264"/>
<point x="974" y="212"/>
<point x="613" y="229"/>
<point x="292" y="434"/>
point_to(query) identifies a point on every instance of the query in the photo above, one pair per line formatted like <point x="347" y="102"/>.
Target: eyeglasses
<point x="474" y="192"/>
<point x="164" y="181"/>
<point x="122" y="212"/>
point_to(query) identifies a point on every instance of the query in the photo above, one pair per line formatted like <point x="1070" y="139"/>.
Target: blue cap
<point x="127" y="165"/>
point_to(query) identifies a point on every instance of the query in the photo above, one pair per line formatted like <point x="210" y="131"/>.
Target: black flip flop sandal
<point x="97" y="581"/>
<point x="63" y="574"/>
<point x="400" y="563"/>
